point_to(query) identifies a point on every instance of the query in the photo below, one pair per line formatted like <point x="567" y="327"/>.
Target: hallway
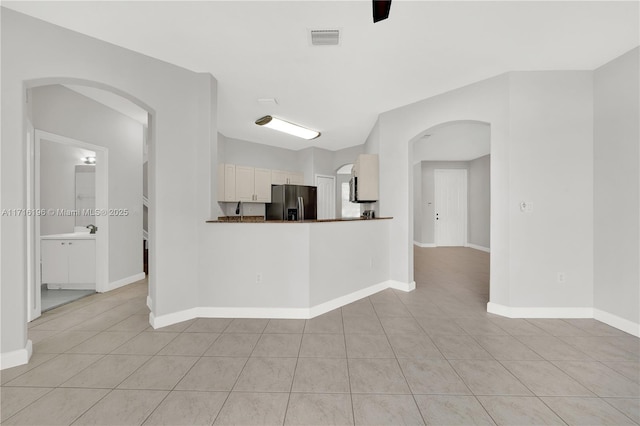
<point x="430" y="356"/>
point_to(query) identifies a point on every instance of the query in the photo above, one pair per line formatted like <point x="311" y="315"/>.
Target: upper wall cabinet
<point x="245" y="184"/>
<point x="366" y="169"/>
<point x="262" y="185"/>
<point x="242" y="183"/>
<point x="227" y="182"/>
<point x="279" y="177"/>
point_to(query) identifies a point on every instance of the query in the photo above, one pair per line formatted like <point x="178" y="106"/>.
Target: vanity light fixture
<point x="286" y="127"/>
<point x="89" y="160"/>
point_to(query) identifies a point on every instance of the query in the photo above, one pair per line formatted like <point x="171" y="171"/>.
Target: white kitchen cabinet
<point x="280" y="177"/>
<point x="69" y="264"/>
<point x="245" y="184"/>
<point x="262" y="185"/>
<point x="252" y="184"/>
<point x="227" y="182"/>
<point x="296" y="178"/>
<point x="366" y="169"/>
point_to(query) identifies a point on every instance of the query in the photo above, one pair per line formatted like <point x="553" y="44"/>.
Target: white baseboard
<point x="617" y="322"/>
<point x="537" y="312"/>
<point x="477" y="247"/>
<point x="602" y="316"/>
<point x="424" y="245"/>
<point x="172" y="318"/>
<point x="399" y="285"/>
<point x="15" y="358"/>
<point x="285" y="313"/>
<point x="125" y="281"/>
<point x="338" y="302"/>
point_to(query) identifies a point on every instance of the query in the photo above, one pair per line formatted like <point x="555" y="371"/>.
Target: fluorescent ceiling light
<point x="286" y="127"/>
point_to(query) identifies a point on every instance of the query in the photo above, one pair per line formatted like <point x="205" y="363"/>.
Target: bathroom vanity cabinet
<point x="68" y="263"/>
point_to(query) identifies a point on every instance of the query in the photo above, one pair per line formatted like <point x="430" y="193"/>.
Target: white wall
<point x="480" y="201"/>
<point x="64" y="112"/>
<point x="551" y="165"/>
<point x="454" y="142"/>
<point x="541" y="151"/>
<point x="57" y="184"/>
<point x="617" y="188"/>
<point x="393" y="135"/>
<point x="245" y="153"/>
<point x="315" y="263"/>
<point x="346" y="257"/>
<point x="418" y="203"/>
<point x="182" y="131"/>
<point x="236" y="253"/>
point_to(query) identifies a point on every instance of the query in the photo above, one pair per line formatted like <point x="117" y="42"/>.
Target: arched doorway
<point x="106" y="239"/>
<point x="451" y="203"/>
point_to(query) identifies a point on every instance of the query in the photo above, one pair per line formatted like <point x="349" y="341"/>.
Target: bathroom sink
<point x="70" y="236"/>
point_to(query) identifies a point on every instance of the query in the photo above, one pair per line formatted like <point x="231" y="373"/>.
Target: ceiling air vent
<point x="325" y="37"/>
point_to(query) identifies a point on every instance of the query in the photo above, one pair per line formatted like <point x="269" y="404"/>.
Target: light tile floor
<point x="53" y="298"/>
<point x="430" y="356"/>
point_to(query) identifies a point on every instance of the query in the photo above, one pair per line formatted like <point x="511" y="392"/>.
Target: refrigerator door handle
<point x="300" y="208"/>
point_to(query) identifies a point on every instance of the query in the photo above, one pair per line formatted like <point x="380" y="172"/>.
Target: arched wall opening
<point x="392" y="138"/>
<point x="183" y="130"/>
<point x="450" y="159"/>
<point x="109" y="169"/>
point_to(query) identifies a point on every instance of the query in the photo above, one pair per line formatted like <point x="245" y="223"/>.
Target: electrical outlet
<point x="258" y="278"/>
<point x="562" y="278"/>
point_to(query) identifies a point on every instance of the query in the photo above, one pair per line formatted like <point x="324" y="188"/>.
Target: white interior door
<point x="450" y="207"/>
<point x="326" y="196"/>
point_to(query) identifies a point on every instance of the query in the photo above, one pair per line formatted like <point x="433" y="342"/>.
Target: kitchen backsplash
<point x="248" y="209"/>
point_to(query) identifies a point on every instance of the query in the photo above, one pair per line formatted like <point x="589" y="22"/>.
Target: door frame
<point x="465" y="224"/>
<point x="34" y="309"/>
<point x="332" y="199"/>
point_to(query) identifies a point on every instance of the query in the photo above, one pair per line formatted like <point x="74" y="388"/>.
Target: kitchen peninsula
<point x="289" y="269"/>
<point x="277" y="260"/>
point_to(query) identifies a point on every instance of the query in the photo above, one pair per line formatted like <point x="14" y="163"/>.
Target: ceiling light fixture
<point x="89" y="160"/>
<point x="286" y="127"/>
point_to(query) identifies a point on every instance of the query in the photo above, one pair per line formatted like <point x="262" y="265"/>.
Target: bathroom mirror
<point x="85" y="194"/>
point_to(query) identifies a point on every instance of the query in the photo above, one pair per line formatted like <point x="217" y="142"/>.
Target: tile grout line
<point x="413" y="396"/>
<point x="295" y="369"/>
<point x="346" y="357"/>
<point x="239" y="374"/>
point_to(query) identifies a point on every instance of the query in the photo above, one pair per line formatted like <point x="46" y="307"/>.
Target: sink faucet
<point x="92" y="228"/>
<point x="240" y="210"/>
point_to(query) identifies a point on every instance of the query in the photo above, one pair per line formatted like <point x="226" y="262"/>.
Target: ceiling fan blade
<point x="381" y="10"/>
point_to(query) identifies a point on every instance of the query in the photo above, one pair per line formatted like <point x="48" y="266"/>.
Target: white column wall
<point x="617" y="189"/>
<point x="541" y="144"/>
<point x="551" y="165"/>
<point x="485" y="101"/>
<point x="35" y="50"/>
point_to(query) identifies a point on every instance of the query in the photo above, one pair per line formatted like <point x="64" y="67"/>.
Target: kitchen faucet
<point x="92" y="228"/>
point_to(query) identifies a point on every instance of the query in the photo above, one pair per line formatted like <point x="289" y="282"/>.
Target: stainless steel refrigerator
<point x="293" y="202"/>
